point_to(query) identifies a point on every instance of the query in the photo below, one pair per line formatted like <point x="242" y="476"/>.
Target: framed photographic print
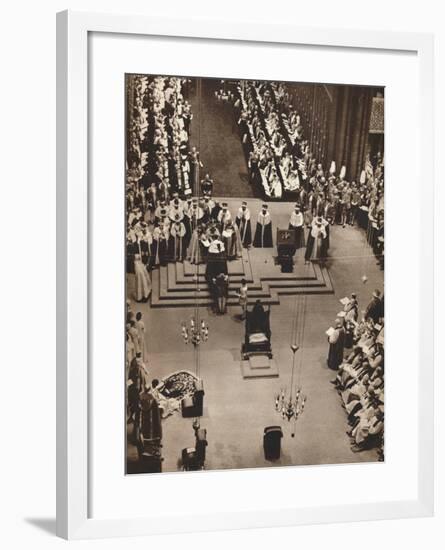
<point x="237" y="277"/>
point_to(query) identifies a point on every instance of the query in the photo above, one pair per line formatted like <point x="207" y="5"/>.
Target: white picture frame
<point x="74" y="519"/>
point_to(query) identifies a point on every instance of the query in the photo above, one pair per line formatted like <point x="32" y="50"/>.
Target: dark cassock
<point x="296" y="223"/>
<point x="244" y="225"/>
<point x="159" y="252"/>
<point x="207" y="185"/>
<point x="187" y="209"/>
<point x="163" y="243"/>
<point x="336" y="345"/>
<point x="216" y="210"/>
<point x="263" y="232"/>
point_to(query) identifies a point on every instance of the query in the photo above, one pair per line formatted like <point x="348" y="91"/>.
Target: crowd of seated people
<point x="280" y="161"/>
<point x="161" y="167"/>
<point x="360" y="374"/>
<point x="267" y="140"/>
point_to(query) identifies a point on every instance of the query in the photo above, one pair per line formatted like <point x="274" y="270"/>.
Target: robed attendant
<point x="244" y="225"/>
<point x="177" y="249"/>
<point x="316" y="247"/>
<point x="263" y="232"/>
<point x="296" y="223"/>
<point x="336" y="346"/>
<point x="142" y="279"/>
<point x="232" y="241"/>
<point x="224" y="216"/>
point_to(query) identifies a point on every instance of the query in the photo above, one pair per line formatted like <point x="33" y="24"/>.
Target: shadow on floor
<point x="48" y="525"/>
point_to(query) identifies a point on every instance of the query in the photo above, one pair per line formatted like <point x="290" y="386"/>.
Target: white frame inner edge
<point x="73" y="519"/>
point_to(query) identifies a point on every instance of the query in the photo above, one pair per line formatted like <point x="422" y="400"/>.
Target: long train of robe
<point x="142" y="280"/>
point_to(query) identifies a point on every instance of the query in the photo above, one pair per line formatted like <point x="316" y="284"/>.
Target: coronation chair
<point x="257" y="336"/>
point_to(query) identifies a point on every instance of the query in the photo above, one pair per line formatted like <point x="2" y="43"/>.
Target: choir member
<point x="244" y="225"/>
<point x="296" y="223"/>
<point x="263" y="232"/>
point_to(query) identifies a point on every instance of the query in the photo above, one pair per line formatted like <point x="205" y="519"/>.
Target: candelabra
<point x="196" y="332"/>
<point x="224" y="94"/>
<point x="286" y="404"/>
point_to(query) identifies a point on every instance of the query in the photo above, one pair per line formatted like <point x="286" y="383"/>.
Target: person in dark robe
<point x="221" y="292"/>
<point x="187" y="221"/>
<point x="336" y="346"/>
<point x="216" y="210"/>
<point x="374" y="309"/>
<point x="244" y="225"/>
<point x="263" y="232"/>
<point x="207" y="185"/>
<point x="296" y="223"/>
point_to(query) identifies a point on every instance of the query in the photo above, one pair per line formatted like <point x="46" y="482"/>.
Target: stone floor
<point x="237" y="410"/>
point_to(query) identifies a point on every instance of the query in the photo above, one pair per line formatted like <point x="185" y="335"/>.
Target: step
<point x="250" y="372"/>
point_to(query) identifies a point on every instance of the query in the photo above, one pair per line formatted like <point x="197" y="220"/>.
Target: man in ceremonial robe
<point x="207" y="185"/>
<point x="176" y="246"/>
<point x="296" y="223"/>
<point x="263" y="232"/>
<point x="244" y="225"/>
<point x="336" y="345"/>
<point x="224" y="216"/>
<point x="317" y="241"/>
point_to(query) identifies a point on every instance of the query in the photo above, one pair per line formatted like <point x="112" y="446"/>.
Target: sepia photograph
<point x="255" y="259"/>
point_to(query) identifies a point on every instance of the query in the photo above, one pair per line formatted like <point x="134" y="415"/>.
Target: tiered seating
<point x="360" y="379"/>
